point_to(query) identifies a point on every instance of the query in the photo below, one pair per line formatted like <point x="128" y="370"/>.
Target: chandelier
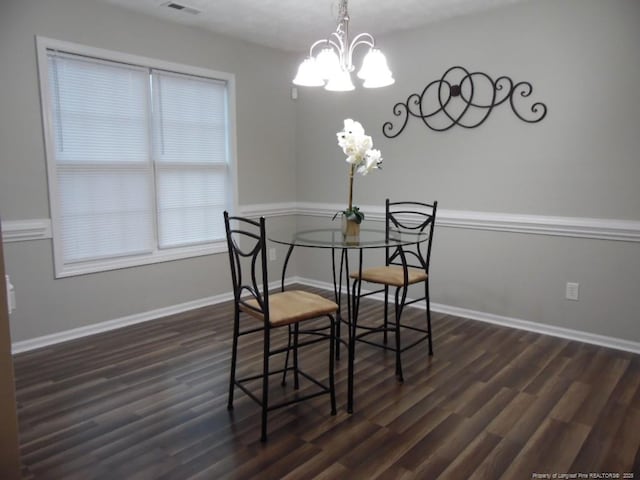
<point x="333" y="64"/>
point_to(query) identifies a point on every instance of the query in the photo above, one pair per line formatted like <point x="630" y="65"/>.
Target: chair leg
<point x="337" y="335"/>
<point x="426" y="294"/>
<point x="234" y="357"/>
<point x="265" y="383"/>
<point x="332" y="390"/>
<point x="352" y="344"/>
<point x="350" y="371"/>
<point x="286" y="358"/>
<point x="296" y="377"/>
<point x="399" y="304"/>
<point x="386" y="312"/>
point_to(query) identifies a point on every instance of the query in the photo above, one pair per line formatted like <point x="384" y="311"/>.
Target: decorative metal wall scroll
<point x="465" y="99"/>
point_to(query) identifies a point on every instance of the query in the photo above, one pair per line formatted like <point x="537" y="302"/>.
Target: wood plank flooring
<point x="149" y="402"/>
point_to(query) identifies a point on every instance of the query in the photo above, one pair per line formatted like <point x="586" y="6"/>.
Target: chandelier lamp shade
<point x="330" y="60"/>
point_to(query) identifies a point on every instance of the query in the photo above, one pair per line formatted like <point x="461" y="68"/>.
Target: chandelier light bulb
<point x="379" y="82"/>
<point x="328" y="63"/>
<point x="340" y="82"/>
<point x="374" y="65"/>
<point x="375" y="71"/>
<point x="309" y="74"/>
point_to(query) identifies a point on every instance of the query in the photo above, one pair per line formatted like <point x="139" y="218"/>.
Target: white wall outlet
<point x="571" y="292"/>
<point x="272" y="254"/>
<point x="11" y="294"/>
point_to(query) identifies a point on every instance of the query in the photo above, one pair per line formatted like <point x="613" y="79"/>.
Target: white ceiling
<point x="294" y="24"/>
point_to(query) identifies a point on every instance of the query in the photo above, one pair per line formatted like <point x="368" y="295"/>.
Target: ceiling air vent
<point x="180" y="7"/>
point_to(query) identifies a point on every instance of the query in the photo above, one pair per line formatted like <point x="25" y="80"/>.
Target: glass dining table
<point x="319" y="232"/>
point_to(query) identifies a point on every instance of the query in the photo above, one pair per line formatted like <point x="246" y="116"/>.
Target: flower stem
<point x="351" y="172"/>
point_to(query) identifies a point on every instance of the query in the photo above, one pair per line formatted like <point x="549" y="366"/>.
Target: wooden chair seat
<point x="391" y="275"/>
<point x="291" y="306"/>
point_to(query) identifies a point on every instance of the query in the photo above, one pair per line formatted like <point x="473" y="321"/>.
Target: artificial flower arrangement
<point x="361" y="157"/>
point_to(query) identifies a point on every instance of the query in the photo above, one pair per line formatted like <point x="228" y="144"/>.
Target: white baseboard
<point x="569" y="334"/>
<point x="46" y="340"/>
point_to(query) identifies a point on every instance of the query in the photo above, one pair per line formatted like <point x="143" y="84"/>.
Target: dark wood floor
<point x="149" y="402"/>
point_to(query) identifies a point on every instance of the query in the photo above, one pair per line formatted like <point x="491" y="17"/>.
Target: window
<point x="139" y="156"/>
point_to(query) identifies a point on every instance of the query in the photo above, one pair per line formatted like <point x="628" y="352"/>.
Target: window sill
<point x="84" y="268"/>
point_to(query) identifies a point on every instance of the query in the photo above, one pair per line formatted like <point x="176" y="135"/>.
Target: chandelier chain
<point x="343" y="13"/>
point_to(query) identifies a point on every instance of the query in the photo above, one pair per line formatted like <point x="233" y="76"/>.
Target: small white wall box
<point x="11" y="295"/>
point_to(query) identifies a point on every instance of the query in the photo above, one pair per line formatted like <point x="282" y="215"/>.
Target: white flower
<point x="350" y="146"/>
<point x="351" y="133"/>
<point x="354" y="143"/>
<point x="358" y="148"/>
<point x="351" y="127"/>
<point x="372" y="161"/>
<point x="364" y="143"/>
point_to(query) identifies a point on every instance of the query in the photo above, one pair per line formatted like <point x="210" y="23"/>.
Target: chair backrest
<point x="411" y="217"/>
<point x="246" y="242"/>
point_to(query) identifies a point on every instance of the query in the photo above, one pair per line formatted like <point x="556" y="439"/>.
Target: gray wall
<point x="582" y="160"/>
<point x="265" y="138"/>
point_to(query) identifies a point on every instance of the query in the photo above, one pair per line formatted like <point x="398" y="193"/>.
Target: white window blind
<point x="190" y="138"/>
<point x="100" y="120"/>
<point x="140" y="159"/>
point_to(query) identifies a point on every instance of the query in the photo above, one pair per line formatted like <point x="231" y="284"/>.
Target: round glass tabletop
<point x="334" y="238"/>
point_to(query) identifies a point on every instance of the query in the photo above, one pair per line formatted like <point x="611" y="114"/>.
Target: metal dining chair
<point x="404" y="266"/>
<point x="266" y="312"/>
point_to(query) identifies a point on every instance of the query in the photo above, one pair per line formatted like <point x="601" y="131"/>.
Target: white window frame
<point x="43" y="44"/>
